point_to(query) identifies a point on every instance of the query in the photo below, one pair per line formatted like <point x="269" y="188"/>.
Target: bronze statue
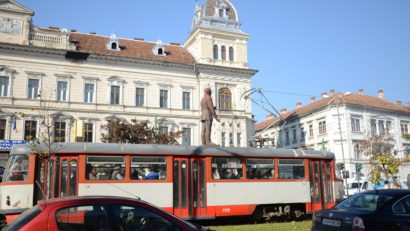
<point x="207" y="115"/>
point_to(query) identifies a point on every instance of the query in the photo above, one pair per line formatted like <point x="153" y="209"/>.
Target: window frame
<point x="5" y="87"/>
<point x="186" y="137"/>
<point x="86" y="131"/>
<point x="3" y="128"/>
<point x="186" y="100"/>
<point x="231" y="54"/>
<point x="215" y="52"/>
<point x="322" y="127"/>
<point x="355" y="124"/>
<point x="225" y="99"/>
<point x="407" y="197"/>
<point x="103" y="165"/>
<point x="163" y="98"/>
<point x="230" y="163"/>
<point x="31" y="128"/>
<point x="115" y="94"/>
<point x="293" y="169"/>
<point x="139" y="96"/>
<point x="30" y="89"/>
<point x="223" y="53"/>
<point x="60" y="130"/>
<point x="272" y="172"/>
<point x="160" y="166"/>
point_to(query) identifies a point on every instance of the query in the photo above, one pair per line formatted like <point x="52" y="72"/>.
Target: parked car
<point x="98" y="213"/>
<point x="386" y="209"/>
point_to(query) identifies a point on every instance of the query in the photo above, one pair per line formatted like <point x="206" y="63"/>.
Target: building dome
<point x="216" y="14"/>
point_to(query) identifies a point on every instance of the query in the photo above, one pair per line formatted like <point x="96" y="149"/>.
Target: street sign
<point x="8" y="144"/>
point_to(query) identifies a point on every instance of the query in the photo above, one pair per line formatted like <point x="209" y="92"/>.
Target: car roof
<point x="90" y="199"/>
<point x="389" y="192"/>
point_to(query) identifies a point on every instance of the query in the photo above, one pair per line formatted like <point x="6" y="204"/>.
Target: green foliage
<point x="384" y="165"/>
<point x="406" y="136"/>
<point x="136" y="133"/>
<point x="282" y="226"/>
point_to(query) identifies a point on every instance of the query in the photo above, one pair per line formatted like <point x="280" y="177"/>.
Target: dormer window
<point x="221" y="10"/>
<point x="159" y="48"/>
<point x="113" y="43"/>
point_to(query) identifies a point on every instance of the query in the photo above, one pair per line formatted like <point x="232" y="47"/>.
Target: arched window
<point x="160" y="51"/>
<point x="114" y="46"/>
<point x="231" y="54"/>
<point x="225" y="99"/>
<point x="223" y="53"/>
<point x="215" y="51"/>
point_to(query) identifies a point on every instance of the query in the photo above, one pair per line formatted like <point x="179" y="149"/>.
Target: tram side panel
<point x="241" y="198"/>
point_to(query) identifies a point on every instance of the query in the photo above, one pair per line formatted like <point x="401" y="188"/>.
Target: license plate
<point x="330" y="222"/>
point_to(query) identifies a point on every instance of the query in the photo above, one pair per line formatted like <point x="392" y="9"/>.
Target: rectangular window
<point x="186" y="136"/>
<point x="88" y="132"/>
<point x="294" y="140"/>
<point x="238" y="139"/>
<point x="230" y="139"/>
<point x="287" y="140"/>
<point x="291" y="169"/>
<point x="59" y="131"/>
<point x="148" y="168"/>
<point x="62" y="90"/>
<point x="381" y="127"/>
<point x="260" y="169"/>
<point x="2" y="129"/>
<point x="33" y="88"/>
<point x="373" y="127"/>
<point x="404" y="128"/>
<point x="4" y="86"/>
<point x="310" y="130"/>
<point x="105" y="167"/>
<point x="355" y="124"/>
<point x="139" y="96"/>
<point x="30" y="129"/>
<point x="186" y="100"/>
<point x="226" y="168"/>
<point x="163" y="130"/>
<point x="322" y="127"/>
<point x="89" y="93"/>
<point x="302" y="133"/>
<point x="163" y="99"/>
<point x="223" y="139"/>
<point x="115" y="95"/>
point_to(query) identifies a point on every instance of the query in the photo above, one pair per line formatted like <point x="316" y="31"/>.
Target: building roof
<point x="350" y="99"/>
<point x="96" y="44"/>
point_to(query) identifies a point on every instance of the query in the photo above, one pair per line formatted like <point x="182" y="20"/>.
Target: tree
<point x="384" y="165"/>
<point x="136" y="133"/>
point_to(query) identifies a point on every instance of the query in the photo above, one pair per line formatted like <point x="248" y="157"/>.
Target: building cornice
<point x="206" y="67"/>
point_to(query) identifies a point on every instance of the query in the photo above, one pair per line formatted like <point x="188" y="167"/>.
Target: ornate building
<point x="339" y="122"/>
<point x="84" y="80"/>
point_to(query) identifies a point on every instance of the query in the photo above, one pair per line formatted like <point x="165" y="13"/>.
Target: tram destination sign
<point x="8" y="144"/>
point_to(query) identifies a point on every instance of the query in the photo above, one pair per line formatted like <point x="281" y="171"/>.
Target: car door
<point x="400" y="216"/>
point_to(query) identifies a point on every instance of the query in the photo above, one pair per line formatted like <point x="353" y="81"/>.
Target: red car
<point x="99" y="213"/>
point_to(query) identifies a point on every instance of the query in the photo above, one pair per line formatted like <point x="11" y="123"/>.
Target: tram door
<point x="320" y="184"/>
<point x="316" y="186"/>
<point x="42" y="178"/>
<point x="67" y="177"/>
<point x="189" y="194"/>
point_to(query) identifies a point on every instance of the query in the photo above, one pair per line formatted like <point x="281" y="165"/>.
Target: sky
<point x="300" y="48"/>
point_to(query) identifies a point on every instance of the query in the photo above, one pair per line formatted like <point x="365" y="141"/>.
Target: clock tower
<point x="216" y="37"/>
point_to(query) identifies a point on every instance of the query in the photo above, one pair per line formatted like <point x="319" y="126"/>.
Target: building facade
<point x="339" y="122"/>
<point x="81" y="81"/>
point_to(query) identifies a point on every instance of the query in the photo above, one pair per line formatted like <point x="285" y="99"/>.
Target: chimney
<point x="283" y="111"/>
<point x="270" y="116"/>
<point x="73" y="30"/>
<point x="332" y="92"/>
<point x="312" y="99"/>
<point x="175" y="43"/>
<point x="298" y="104"/>
<point x="324" y="95"/>
<point x="398" y="102"/>
<point x="139" y="39"/>
<point x="380" y="94"/>
<point x="361" y="92"/>
<point x="93" y="33"/>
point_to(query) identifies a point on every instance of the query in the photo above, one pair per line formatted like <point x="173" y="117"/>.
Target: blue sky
<point x="300" y="47"/>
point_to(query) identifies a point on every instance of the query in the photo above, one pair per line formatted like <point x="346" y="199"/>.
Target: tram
<point x="192" y="182"/>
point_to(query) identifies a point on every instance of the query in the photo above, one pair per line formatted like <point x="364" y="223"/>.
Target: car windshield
<point x="365" y="202"/>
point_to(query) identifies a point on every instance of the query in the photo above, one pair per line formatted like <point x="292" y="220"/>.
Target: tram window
<point x="291" y="169"/>
<point x="260" y="169"/>
<point x="148" y="168"/>
<point x="226" y="168"/>
<point x="16" y="169"/>
<point x="105" y="167"/>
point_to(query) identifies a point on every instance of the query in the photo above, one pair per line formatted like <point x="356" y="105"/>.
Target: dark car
<point x="99" y="213"/>
<point x="386" y="209"/>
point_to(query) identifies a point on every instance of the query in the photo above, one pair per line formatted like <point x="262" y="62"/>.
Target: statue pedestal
<point x="211" y="145"/>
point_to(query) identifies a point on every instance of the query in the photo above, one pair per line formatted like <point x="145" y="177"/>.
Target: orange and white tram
<point x="191" y="182"/>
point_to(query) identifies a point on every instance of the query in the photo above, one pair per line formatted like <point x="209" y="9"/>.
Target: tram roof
<point x="109" y="148"/>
